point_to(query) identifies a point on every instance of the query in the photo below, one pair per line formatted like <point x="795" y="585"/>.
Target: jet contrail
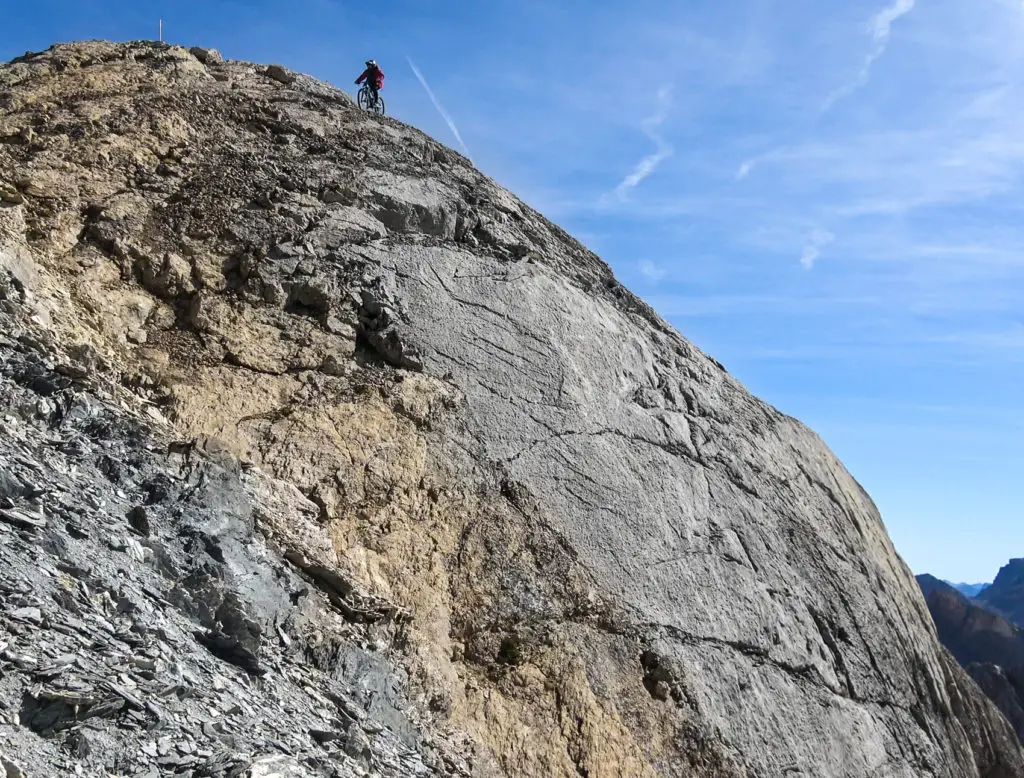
<point x="818" y="240"/>
<point x="881" y="30"/>
<point x="663" y="151"/>
<point x="440" y="108"/>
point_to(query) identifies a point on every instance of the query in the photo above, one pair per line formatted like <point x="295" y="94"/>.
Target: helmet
<point x="371" y="63"/>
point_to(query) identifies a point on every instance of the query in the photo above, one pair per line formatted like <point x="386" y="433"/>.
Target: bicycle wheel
<point x="379" y="107"/>
<point x="363" y="99"/>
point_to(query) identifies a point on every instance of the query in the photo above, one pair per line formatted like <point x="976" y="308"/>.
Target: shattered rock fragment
<point x="206" y="56"/>
<point x="280" y="75"/>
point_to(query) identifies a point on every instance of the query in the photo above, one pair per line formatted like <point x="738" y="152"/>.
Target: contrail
<point x="663" y="151"/>
<point x="644" y="168"/>
<point x="440" y="108"/>
<point x="818" y="240"/>
<point x="881" y="29"/>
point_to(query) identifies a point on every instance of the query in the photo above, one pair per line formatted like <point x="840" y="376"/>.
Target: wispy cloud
<point x="1000" y="341"/>
<point x="650" y="270"/>
<point x="440" y="108"/>
<point x="663" y="149"/>
<point x="818" y="240"/>
<point x="881" y="30"/>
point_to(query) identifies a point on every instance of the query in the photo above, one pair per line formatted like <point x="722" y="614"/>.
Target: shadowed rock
<point x="1006" y="594"/>
<point x="986" y="644"/>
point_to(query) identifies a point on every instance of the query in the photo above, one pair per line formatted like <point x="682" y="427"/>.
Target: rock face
<point x="1005" y="687"/>
<point x="987" y="645"/>
<point x="445" y="475"/>
<point x="1006" y="594"/>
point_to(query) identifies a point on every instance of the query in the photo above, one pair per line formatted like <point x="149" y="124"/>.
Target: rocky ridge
<point x="988" y="646"/>
<point x="1006" y="594"/>
<point x="971" y="631"/>
<point x="970" y="590"/>
<point x="393" y="475"/>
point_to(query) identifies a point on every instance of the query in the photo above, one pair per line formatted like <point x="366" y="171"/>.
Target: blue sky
<point x="827" y="197"/>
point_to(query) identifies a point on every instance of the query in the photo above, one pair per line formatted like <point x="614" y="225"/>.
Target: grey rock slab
<point x="206" y="56"/>
<point x="719" y="525"/>
<point x="280" y="74"/>
<point x="411" y="205"/>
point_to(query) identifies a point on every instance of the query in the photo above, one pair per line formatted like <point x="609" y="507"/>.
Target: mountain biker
<point x="374" y="78"/>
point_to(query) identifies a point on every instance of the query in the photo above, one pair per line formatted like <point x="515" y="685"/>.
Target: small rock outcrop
<point x="328" y="456"/>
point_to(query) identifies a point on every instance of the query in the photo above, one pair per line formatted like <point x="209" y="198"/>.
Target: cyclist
<point x="374" y="78"/>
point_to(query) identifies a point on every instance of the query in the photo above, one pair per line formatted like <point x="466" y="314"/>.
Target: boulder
<point x="206" y="56"/>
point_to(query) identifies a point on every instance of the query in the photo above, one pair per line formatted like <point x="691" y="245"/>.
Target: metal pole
<point x="161" y="30"/>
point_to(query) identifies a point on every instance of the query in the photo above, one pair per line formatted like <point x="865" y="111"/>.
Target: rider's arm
<point x="362" y="78"/>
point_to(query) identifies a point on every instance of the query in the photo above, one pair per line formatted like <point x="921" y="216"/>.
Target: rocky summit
<point x="323" y="455"/>
<point x="1006" y="594"/>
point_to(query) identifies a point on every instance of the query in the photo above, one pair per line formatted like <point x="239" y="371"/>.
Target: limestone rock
<point x="460" y="468"/>
<point x="277" y="767"/>
<point x="280" y="74"/>
<point x="206" y="56"/>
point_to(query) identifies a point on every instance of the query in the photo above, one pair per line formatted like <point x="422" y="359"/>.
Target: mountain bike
<point x="367" y="103"/>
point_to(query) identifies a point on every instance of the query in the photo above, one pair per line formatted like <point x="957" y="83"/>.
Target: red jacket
<point x="376" y="74"/>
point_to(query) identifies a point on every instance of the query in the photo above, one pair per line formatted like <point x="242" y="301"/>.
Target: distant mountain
<point x="987" y="645"/>
<point x="971" y="590"/>
<point x="1006" y="594"/>
<point x="971" y="631"/>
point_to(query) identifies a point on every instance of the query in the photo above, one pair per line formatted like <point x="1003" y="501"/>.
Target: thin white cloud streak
<point x="818" y="240"/>
<point x="440" y="108"/>
<point x="663" y="150"/>
<point x="649" y="270"/>
<point x="895" y="173"/>
<point x="1011" y="339"/>
<point x="881" y="32"/>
